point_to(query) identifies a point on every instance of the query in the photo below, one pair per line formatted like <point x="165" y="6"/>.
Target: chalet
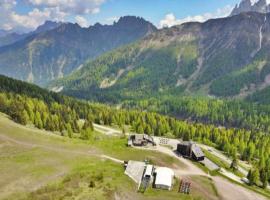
<point x="190" y="150"/>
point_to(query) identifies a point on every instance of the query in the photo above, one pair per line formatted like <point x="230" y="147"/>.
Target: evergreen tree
<point x="234" y="164"/>
<point x="69" y="130"/>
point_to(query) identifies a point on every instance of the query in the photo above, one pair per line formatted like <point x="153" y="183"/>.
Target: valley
<point x="134" y="100"/>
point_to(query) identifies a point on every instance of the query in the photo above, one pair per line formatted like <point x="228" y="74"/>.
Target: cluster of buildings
<point x="146" y="175"/>
<point x="187" y="149"/>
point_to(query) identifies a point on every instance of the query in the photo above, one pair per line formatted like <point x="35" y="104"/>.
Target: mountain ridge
<point x="213" y="58"/>
<point x="48" y="55"/>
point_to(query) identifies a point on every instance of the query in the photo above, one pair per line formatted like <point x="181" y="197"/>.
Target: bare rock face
<point x="260" y="6"/>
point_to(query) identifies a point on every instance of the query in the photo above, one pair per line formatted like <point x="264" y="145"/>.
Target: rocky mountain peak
<point x="48" y="25"/>
<point x="261" y="6"/>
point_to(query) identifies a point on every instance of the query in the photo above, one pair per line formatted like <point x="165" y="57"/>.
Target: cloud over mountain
<point x="42" y="10"/>
<point x="170" y="19"/>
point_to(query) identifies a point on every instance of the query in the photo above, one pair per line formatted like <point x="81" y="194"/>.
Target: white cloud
<point x="76" y="7"/>
<point x="36" y="17"/>
<point x="82" y="21"/>
<point x="110" y="20"/>
<point x="256" y="1"/>
<point x="6" y="7"/>
<point x="55" y="10"/>
<point x="171" y="20"/>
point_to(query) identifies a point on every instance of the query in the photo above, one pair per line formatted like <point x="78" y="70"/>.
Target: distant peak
<point x="134" y="21"/>
<point x="98" y="25"/>
<point x="130" y="19"/>
<point x="47" y="25"/>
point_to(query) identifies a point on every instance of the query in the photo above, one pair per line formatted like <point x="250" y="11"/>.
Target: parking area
<point x="209" y="164"/>
<point x="166" y="141"/>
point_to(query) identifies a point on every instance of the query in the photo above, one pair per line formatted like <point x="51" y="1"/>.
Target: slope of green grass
<point x="39" y="165"/>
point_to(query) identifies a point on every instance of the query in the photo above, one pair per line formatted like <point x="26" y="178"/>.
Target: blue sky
<point x="27" y="14"/>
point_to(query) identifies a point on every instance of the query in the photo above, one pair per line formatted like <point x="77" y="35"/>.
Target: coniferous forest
<point x="29" y="104"/>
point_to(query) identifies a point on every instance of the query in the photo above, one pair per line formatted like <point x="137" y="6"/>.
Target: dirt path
<point x="107" y="130"/>
<point x="221" y="156"/>
<point x="112" y="159"/>
<point x="47" y="147"/>
<point x="230" y="191"/>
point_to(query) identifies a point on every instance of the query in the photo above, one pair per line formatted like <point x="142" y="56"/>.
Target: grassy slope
<point x="31" y="159"/>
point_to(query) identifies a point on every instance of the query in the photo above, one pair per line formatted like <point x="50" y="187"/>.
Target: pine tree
<point x="86" y="134"/>
<point x="38" y="122"/>
<point x="264" y="178"/>
<point x="69" y="130"/>
<point x="254" y="176"/>
<point x="234" y="164"/>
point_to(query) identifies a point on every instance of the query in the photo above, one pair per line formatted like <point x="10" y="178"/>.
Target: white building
<point x="148" y="171"/>
<point x="164" y="178"/>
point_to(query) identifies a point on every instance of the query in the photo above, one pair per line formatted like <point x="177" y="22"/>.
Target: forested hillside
<point x="58" y="113"/>
<point x="222" y="57"/>
<point x="227" y="113"/>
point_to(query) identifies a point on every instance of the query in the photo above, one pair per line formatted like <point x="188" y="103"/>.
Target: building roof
<point x="135" y="170"/>
<point x="164" y="176"/>
<point x="187" y="143"/>
<point x="139" y="136"/>
<point x="148" y="171"/>
<point x="197" y="151"/>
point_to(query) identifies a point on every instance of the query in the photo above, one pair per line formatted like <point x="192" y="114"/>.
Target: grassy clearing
<point x="88" y="180"/>
<point x="206" y="183"/>
<point x="117" y="147"/>
<point x="39" y="165"/>
<point x="199" y="186"/>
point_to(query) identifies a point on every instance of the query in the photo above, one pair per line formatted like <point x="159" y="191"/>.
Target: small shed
<point x="164" y="178"/>
<point x="191" y="150"/>
<point x="184" y="148"/>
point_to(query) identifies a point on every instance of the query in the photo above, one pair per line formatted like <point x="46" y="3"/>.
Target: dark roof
<point x="197" y="151"/>
<point x="186" y="143"/>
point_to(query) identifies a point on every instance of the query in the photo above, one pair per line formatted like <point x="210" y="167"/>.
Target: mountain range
<point x="56" y="49"/>
<point x="131" y="59"/>
<point x="261" y="6"/>
<point x="4" y="33"/>
<point x="227" y="57"/>
<point x="9" y="37"/>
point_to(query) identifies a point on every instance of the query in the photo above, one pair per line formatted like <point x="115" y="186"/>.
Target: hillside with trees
<point x="62" y="115"/>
